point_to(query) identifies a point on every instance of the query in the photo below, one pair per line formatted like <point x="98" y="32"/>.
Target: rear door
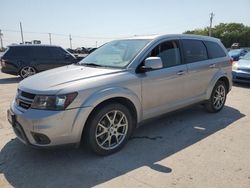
<point x="41" y="58"/>
<point x="200" y="68"/>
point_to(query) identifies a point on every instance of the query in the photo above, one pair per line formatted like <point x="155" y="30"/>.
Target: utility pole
<point x="96" y="44"/>
<point x="70" y="41"/>
<point x="1" y="40"/>
<point x="211" y="23"/>
<point x="21" y="28"/>
<point x="50" y="39"/>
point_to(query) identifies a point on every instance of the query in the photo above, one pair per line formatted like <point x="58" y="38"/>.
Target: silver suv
<point x="101" y="99"/>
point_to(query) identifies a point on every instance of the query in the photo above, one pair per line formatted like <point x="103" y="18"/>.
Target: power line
<point x="61" y="34"/>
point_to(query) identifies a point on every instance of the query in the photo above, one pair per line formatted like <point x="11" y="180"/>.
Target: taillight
<point x="231" y="61"/>
<point x="3" y="63"/>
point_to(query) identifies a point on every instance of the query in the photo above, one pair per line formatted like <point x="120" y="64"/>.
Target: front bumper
<point x="241" y="76"/>
<point x="44" y="128"/>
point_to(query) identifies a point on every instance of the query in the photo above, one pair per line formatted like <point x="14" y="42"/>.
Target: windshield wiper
<point x="91" y="64"/>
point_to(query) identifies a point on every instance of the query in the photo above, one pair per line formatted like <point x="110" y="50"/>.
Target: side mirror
<point x="152" y="63"/>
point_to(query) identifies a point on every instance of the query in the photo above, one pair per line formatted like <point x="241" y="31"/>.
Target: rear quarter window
<point x="4" y="54"/>
<point x="214" y="50"/>
<point x="17" y="52"/>
<point x="194" y="50"/>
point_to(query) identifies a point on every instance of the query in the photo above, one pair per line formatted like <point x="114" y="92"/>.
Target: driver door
<point x="164" y="89"/>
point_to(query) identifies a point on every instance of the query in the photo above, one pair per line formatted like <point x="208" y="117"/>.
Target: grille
<point x="27" y="95"/>
<point x="24" y="99"/>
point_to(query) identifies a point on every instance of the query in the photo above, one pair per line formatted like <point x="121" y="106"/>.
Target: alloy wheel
<point x="27" y="71"/>
<point x="219" y="97"/>
<point x="111" y="130"/>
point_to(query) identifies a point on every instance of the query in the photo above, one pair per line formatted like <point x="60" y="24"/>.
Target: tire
<point x="108" y="128"/>
<point x="217" y="98"/>
<point x="27" y="71"/>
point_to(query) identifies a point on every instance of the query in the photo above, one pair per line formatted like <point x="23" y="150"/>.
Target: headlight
<point x="53" y="102"/>
<point x="235" y="66"/>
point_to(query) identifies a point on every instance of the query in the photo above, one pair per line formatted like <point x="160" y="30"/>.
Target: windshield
<point x="116" y="54"/>
<point x="247" y="56"/>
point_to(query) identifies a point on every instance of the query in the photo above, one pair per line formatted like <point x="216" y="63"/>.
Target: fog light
<point x="40" y="138"/>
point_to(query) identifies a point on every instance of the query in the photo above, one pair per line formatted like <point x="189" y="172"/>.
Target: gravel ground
<point x="188" y="148"/>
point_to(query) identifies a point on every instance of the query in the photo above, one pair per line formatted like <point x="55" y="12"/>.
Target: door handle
<point x="212" y="66"/>
<point x="180" y="72"/>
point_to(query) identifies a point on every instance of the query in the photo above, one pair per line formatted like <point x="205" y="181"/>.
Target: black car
<point x="26" y="60"/>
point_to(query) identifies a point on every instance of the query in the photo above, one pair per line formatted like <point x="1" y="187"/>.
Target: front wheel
<point x="109" y="128"/>
<point x="217" y="98"/>
<point x="27" y="71"/>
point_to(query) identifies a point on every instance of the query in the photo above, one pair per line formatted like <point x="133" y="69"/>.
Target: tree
<point x="228" y="33"/>
<point x="198" y="32"/>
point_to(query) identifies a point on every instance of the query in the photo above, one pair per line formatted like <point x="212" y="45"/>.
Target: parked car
<point x="79" y="53"/>
<point x="103" y="98"/>
<point x="27" y="60"/>
<point x="79" y="57"/>
<point x="237" y="53"/>
<point x="70" y="50"/>
<point x="81" y="50"/>
<point x="90" y="50"/>
<point x="235" y="46"/>
<point x="241" y="69"/>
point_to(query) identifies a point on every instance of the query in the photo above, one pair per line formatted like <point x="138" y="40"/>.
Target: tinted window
<point x="169" y="53"/>
<point x="194" y="50"/>
<point x="17" y="52"/>
<point x="40" y="53"/>
<point x="5" y="54"/>
<point x="57" y="53"/>
<point x="214" y="50"/>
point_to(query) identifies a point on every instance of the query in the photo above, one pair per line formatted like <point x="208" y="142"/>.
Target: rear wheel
<point x="108" y="128"/>
<point x="217" y="98"/>
<point x="27" y="71"/>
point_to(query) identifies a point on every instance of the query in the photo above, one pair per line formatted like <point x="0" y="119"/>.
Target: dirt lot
<point x="189" y="148"/>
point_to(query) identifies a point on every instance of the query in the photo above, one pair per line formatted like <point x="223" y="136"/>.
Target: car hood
<point x="244" y="64"/>
<point x="51" y="81"/>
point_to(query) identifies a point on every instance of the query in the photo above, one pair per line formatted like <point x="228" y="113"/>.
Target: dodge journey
<point x="101" y="99"/>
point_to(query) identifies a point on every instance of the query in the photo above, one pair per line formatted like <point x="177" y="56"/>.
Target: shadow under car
<point x="155" y="140"/>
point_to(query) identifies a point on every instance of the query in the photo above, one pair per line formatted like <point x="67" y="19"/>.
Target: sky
<point x="94" y="22"/>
